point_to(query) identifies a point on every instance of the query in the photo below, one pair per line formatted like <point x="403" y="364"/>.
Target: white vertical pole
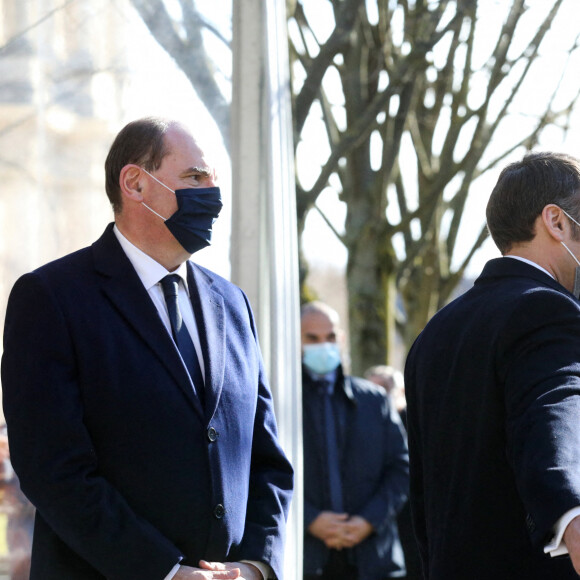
<point x="264" y="235"/>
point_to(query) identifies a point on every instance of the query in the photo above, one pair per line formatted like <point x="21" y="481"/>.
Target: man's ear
<point x="555" y="222"/>
<point x="130" y="182"/>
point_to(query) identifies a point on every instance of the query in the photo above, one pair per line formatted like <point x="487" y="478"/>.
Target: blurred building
<point x="61" y="81"/>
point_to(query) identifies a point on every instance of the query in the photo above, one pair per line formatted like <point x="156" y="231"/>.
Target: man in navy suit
<point x="139" y="417"/>
<point x="493" y="392"/>
<point x="356" y="465"/>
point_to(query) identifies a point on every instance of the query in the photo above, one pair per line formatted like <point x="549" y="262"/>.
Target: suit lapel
<point x="208" y="307"/>
<point x="123" y="288"/>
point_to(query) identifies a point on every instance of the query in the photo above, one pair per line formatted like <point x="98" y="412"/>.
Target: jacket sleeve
<point x="51" y="449"/>
<point x="540" y="370"/>
<point x="271" y="483"/>
<point x="383" y="506"/>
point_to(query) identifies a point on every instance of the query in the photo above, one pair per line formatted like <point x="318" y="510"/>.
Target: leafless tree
<point x="397" y="72"/>
<point x="411" y="115"/>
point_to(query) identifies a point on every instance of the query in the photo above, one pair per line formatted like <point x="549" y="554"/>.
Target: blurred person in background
<point x="393" y="382"/>
<point x="355" y="463"/>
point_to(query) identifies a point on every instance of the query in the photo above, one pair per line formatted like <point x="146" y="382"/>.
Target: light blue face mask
<point x="197" y="210"/>
<point x="321" y="358"/>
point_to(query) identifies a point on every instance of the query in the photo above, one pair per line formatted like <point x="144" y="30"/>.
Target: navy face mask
<point x="197" y="210"/>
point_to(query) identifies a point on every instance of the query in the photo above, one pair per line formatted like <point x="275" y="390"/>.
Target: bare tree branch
<point x="190" y="55"/>
<point x="22" y="34"/>
<point x="345" y="19"/>
<point x="323" y="215"/>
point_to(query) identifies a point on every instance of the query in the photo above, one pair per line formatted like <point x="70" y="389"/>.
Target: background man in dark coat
<point x="355" y="463"/>
<point x="493" y="395"/>
<point x="148" y="453"/>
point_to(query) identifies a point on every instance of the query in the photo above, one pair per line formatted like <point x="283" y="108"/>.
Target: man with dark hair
<point x="356" y="466"/>
<point x="140" y="420"/>
<point x="522" y="192"/>
<point x="493" y="395"/>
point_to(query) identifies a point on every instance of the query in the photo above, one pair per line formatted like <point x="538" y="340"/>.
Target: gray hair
<point x="388" y="377"/>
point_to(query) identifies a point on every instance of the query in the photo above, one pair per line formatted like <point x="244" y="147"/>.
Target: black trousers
<point x="337" y="568"/>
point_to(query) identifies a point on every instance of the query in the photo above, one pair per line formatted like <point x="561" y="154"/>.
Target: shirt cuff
<point x="265" y="570"/>
<point x="556" y="547"/>
<point x="173" y="571"/>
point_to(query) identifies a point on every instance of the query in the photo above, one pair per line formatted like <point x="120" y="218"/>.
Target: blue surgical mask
<point x="197" y="210"/>
<point x="321" y="358"/>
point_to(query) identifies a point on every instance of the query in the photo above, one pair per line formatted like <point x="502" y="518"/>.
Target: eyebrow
<point x="314" y="336"/>
<point x="205" y="171"/>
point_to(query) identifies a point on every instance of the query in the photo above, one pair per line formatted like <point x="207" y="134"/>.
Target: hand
<point x="340" y="531"/>
<point x="572" y="540"/>
<point x="330" y="528"/>
<point x="356" y="530"/>
<point x="246" y="571"/>
<point x="215" y="573"/>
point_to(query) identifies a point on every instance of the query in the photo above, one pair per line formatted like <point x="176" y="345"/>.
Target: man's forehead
<point x="319" y="325"/>
<point x="189" y="150"/>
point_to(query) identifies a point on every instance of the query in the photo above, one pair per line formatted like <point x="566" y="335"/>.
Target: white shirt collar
<point x="531" y="264"/>
<point x="149" y="271"/>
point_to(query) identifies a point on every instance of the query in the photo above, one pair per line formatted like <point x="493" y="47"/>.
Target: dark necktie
<point x="332" y="456"/>
<point x="170" y="285"/>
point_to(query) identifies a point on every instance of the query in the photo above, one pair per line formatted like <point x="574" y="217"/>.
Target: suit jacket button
<point x="219" y="511"/>
<point x="212" y="435"/>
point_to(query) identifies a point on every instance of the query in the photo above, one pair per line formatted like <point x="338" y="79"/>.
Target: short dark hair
<point x="141" y="142"/>
<point x="524" y="189"/>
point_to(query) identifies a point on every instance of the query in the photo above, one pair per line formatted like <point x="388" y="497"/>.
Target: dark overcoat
<point x="374" y="472"/>
<point x="493" y="416"/>
<point x="126" y="469"/>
